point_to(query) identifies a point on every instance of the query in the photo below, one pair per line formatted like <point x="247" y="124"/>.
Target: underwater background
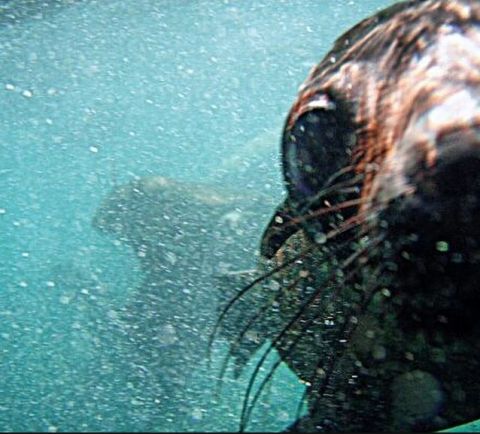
<point x="100" y="94"/>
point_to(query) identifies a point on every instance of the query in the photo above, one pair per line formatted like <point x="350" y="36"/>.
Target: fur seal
<point x="376" y="248"/>
<point x="186" y="236"/>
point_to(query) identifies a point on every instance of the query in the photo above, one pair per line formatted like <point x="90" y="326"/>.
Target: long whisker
<point x="266" y="305"/>
<point x="368" y="295"/>
<point x="252" y="320"/>
<point x="339" y="173"/>
<point x="346" y="226"/>
<point x="326" y="210"/>
<point x="248" y="287"/>
<point x="333" y="188"/>
<point x="332" y="277"/>
<point x="347" y="190"/>
<point x="304" y="328"/>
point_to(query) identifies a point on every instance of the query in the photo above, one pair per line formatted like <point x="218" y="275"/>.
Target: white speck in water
<point x="171" y="258"/>
<point x="112" y="314"/>
<point x="9" y="86"/>
<point x="137" y="402"/>
<point x="64" y="299"/>
<point x="50" y="284"/>
<point x="49" y="121"/>
<point x="25" y="254"/>
<point x="167" y="335"/>
<point x="197" y="414"/>
<point x="3" y="211"/>
<point x="23" y="284"/>
<point x="27" y="93"/>
<point x="93" y="149"/>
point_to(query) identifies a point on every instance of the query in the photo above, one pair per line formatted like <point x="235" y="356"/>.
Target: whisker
<point x="326" y="210"/>
<point x="332" y="277"/>
<point x="368" y="295"/>
<point x="347" y="335"/>
<point x="258" y="314"/>
<point x="248" y="287"/>
<point x="301" y="403"/>
<point x="266" y="305"/>
<point x="341" y="187"/>
<point x="294" y="343"/>
<point x="328" y="189"/>
<point x="348" y="190"/>
<point x="339" y="173"/>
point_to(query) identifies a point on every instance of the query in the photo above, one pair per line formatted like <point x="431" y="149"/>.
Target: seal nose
<point x="457" y="169"/>
<point x="445" y="195"/>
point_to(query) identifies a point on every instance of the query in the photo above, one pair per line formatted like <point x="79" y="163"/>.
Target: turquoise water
<point x="94" y="94"/>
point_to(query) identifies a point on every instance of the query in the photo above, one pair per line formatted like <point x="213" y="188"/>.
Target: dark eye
<point x="314" y="148"/>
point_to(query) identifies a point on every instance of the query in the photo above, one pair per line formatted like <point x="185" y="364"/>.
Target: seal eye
<point x="314" y="148"/>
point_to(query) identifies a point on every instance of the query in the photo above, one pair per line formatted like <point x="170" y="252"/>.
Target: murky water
<point x="97" y="332"/>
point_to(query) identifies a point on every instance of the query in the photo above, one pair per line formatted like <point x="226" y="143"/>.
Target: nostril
<point x="457" y="170"/>
<point x="445" y="196"/>
<point x="460" y="177"/>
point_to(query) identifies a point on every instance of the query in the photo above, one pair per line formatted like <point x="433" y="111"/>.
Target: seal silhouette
<point x="376" y="248"/>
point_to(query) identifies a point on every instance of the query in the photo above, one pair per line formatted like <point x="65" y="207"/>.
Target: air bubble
<point x="442" y="246"/>
<point x="320" y="238"/>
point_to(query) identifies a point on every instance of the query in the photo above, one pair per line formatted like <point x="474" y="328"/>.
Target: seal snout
<point x="445" y="196"/>
<point x="453" y="180"/>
